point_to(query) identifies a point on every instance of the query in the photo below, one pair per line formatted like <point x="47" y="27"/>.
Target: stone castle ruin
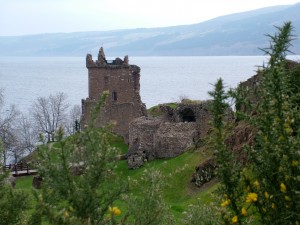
<point x="168" y="135"/>
<point x="122" y="80"/>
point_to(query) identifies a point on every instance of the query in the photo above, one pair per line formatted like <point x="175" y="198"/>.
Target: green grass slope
<point x="177" y="172"/>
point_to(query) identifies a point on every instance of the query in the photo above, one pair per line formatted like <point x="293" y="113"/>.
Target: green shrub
<point x="13" y="203"/>
<point x="80" y="185"/>
<point x="267" y="190"/>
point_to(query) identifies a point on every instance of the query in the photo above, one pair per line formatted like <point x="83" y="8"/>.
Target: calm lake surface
<point x="163" y="79"/>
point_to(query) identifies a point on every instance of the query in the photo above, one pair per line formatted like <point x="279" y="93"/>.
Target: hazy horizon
<point x="56" y="16"/>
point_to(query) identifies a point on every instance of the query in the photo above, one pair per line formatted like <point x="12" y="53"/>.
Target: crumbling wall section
<point x="168" y="135"/>
<point x="155" y="139"/>
<point x="172" y="139"/>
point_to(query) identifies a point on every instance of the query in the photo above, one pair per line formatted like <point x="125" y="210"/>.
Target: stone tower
<point x="122" y="80"/>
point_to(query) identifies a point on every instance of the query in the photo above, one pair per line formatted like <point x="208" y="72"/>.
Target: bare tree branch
<point x="50" y="113"/>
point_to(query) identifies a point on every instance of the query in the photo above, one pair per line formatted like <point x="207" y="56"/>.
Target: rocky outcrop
<point x="204" y="173"/>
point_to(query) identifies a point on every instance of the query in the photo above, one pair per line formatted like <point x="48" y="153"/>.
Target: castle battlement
<point x="103" y="62"/>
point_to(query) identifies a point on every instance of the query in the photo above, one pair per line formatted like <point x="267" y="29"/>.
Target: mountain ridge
<point x="234" y="34"/>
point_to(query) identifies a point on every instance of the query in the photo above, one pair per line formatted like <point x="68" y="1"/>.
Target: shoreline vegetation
<point x="83" y="182"/>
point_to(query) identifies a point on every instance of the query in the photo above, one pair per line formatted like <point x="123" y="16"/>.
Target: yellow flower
<point x="256" y="184"/>
<point x="273" y="206"/>
<point x="267" y="195"/>
<point x="282" y="187"/>
<point x="251" y="197"/>
<point x="287" y="198"/>
<point x="234" y="219"/>
<point x="114" y="210"/>
<point x="225" y="203"/>
<point x="244" y="212"/>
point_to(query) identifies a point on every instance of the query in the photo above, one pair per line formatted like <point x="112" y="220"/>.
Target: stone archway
<point x="187" y="115"/>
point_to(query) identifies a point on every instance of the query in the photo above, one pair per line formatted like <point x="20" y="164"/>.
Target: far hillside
<point x="235" y="34"/>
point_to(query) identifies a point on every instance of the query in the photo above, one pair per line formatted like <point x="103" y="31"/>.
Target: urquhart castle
<point x="168" y="135"/>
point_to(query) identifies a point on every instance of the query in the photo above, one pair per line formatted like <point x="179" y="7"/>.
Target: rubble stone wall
<point x="168" y="135"/>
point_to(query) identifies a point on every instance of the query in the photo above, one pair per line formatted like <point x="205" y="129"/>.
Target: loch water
<point x="163" y="79"/>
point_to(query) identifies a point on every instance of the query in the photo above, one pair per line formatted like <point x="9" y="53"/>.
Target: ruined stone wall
<point x="169" y="135"/>
<point x="153" y="138"/>
<point x="198" y="113"/>
<point x="172" y="139"/>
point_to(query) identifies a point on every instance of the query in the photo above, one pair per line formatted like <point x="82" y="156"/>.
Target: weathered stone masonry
<point x="122" y="80"/>
<point x="169" y="135"/>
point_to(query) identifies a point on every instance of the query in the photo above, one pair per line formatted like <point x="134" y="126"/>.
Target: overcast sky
<point x="20" y="17"/>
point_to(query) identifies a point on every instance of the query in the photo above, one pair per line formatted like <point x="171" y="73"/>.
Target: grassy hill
<point x="178" y="191"/>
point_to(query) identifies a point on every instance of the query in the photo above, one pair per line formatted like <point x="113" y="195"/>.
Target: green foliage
<point x="79" y="185"/>
<point x="228" y="170"/>
<point x="275" y="155"/>
<point x="154" y="111"/>
<point x="267" y="190"/>
<point x="189" y="101"/>
<point x="13" y="203"/>
<point x="201" y="214"/>
<point x="178" y="192"/>
<point x="149" y="207"/>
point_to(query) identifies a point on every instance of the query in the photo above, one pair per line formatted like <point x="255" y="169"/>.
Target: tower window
<point x="106" y="81"/>
<point x="114" y="96"/>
